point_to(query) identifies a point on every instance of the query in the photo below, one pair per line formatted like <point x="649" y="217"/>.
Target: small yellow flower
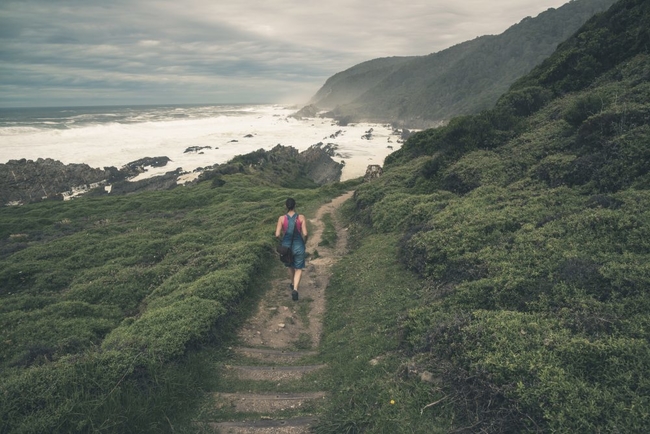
<point x="392" y="402"/>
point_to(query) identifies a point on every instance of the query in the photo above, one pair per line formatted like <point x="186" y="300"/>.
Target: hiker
<point x="285" y="226"/>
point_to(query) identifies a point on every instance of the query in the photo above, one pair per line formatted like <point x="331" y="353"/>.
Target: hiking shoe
<point x="294" y="295"/>
<point x="291" y="286"/>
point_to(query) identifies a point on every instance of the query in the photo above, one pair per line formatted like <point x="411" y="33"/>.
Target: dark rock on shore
<point x="167" y="181"/>
<point x="283" y="165"/>
<point x="319" y="166"/>
<point x="368" y="134"/>
<point x="25" y="181"/>
<point x="137" y="167"/>
<point x="196" y="149"/>
<point x="373" y="171"/>
<point x="329" y="149"/>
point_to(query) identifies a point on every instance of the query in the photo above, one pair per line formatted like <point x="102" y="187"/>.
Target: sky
<point x="123" y="52"/>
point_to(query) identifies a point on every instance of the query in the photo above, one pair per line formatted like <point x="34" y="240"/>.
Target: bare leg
<point x="296" y="278"/>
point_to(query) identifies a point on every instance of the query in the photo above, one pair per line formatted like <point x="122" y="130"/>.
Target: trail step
<point x="297" y="425"/>
<point x="272" y="373"/>
<point x="272" y="355"/>
<point x="265" y="402"/>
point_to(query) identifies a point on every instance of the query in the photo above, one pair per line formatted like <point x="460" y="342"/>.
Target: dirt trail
<point x="276" y="340"/>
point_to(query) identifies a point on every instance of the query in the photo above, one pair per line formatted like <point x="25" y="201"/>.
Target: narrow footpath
<point x="270" y="384"/>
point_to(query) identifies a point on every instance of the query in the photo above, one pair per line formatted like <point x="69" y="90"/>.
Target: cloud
<point x="98" y="52"/>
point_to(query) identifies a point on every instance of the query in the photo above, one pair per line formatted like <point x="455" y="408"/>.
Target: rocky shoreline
<point x="27" y="181"/>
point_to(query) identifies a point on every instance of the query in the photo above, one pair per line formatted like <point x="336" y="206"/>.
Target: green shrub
<point x="555" y="170"/>
<point x="107" y="295"/>
<point x="55" y="330"/>
<point x="526" y="101"/>
<point x="167" y="331"/>
<point x="583" y="108"/>
<point x="523" y="279"/>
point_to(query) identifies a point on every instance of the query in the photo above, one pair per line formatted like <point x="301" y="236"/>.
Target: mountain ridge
<point x="466" y="78"/>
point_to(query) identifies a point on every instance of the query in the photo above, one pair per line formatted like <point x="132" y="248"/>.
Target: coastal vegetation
<point x="528" y="229"/>
<point x="103" y="299"/>
<point x="497" y="280"/>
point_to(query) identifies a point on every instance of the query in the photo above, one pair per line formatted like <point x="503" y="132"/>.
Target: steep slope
<point x="463" y="79"/>
<point x="344" y="87"/>
<point x="529" y="225"/>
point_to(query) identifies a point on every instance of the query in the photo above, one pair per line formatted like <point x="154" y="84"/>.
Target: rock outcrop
<point x="319" y="166"/>
<point x="373" y="171"/>
<point x="137" y="167"/>
<point x="196" y="149"/>
<point x="284" y="165"/>
<point x="24" y="181"/>
<point x="161" y="182"/>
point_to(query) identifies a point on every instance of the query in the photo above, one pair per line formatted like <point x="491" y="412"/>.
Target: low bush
<point x="532" y="251"/>
<point x="165" y="332"/>
<point x="95" y="322"/>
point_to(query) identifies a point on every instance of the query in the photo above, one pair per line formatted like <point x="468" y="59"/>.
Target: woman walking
<point x="293" y="229"/>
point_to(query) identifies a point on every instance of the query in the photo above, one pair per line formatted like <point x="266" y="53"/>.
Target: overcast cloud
<point x="94" y="52"/>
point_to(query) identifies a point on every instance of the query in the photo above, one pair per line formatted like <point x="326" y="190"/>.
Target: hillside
<point x="463" y="79"/>
<point x="496" y="281"/>
<point x="344" y="87"/>
<point x="528" y="227"/>
<point x="106" y="299"/>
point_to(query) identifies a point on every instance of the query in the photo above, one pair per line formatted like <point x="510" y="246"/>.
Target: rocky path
<point x="268" y="386"/>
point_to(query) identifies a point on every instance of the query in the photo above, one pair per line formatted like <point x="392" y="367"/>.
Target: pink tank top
<point x="285" y="223"/>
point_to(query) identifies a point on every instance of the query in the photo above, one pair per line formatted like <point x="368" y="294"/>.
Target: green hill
<point x="104" y="299"/>
<point x="463" y="79"/>
<point x="498" y="279"/>
<point x="528" y="226"/>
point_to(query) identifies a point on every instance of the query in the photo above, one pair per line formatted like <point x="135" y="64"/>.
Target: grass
<point x="362" y="346"/>
<point x="105" y="300"/>
<point x="527" y="227"/>
<point x="304" y="342"/>
<point x="304" y="307"/>
<point x="329" y="236"/>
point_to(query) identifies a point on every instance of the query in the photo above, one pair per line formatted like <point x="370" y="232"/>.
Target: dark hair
<point x="290" y="204"/>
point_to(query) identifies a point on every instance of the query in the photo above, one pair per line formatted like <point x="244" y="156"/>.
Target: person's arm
<point x="278" y="227"/>
<point x="303" y="225"/>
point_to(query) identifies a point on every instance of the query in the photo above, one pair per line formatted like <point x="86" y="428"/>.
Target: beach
<point x="191" y="136"/>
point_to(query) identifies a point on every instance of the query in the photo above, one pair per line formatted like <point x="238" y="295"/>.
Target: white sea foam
<point x="110" y="143"/>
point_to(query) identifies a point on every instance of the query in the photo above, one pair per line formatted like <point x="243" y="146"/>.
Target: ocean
<point x="192" y="136"/>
